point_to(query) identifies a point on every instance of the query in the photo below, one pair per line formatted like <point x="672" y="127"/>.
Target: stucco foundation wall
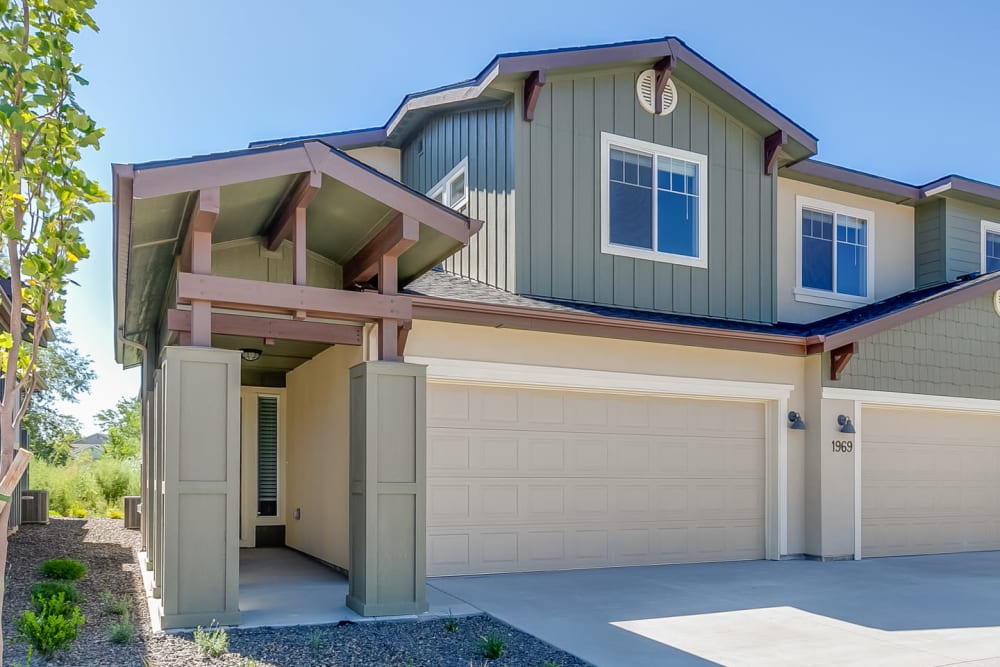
<point x="318" y="432"/>
<point x="475" y="343"/>
<point x="893" y="244"/>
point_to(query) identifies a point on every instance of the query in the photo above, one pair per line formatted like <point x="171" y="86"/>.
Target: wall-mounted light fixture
<point x="250" y="354"/>
<point x="845" y="423"/>
<point x="795" y="422"/>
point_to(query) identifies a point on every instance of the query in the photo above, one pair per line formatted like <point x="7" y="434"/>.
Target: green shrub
<point x="116" y="514"/>
<point x="315" y="640"/>
<point x="451" y="624"/>
<point x="112" y="480"/>
<point x="123" y="631"/>
<point x="212" y="642"/>
<point x="491" y="645"/>
<point x="63" y="568"/>
<point x="48" y="589"/>
<point x="117" y="605"/>
<point x="77" y="512"/>
<point x="54" y="627"/>
<point x="85" y="484"/>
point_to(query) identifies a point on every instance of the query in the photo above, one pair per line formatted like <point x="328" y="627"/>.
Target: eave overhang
<point x="255" y="185"/>
<point x="504" y="70"/>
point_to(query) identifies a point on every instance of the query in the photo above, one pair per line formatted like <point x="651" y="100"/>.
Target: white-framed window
<point x="654" y="201"/>
<point x="990" y="246"/>
<point x="453" y="189"/>
<point x="835" y="256"/>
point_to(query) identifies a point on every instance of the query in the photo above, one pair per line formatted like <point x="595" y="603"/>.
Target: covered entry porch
<point x="260" y="292"/>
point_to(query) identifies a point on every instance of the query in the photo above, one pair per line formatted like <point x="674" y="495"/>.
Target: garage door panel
<point x="566" y="479"/>
<point x="930" y="482"/>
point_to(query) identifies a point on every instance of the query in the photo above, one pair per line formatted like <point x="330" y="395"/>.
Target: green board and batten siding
<point x="558" y="203"/>
<point x="950" y="353"/>
<point x="949" y="239"/>
<point x="482" y="135"/>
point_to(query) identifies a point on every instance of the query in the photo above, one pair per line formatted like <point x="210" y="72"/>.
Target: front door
<point x="261" y="461"/>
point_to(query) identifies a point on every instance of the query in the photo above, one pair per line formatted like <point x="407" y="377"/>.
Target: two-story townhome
<point x="593" y="307"/>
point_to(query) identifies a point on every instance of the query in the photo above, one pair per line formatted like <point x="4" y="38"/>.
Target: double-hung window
<point x="835" y="264"/>
<point x="654" y="202"/>
<point x="991" y="246"/>
<point x="453" y="189"/>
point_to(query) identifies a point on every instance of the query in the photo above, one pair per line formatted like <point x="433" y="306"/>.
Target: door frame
<point x="773" y="396"/>
<point x="248" y="463"/>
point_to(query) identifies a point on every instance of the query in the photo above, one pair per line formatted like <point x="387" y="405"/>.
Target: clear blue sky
<point x="907" y="90"/>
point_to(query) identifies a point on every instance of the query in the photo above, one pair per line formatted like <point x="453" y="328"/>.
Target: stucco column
<point x="388" y="483"/>
<point x="830" y="471"/>
<point x="201" y="457"/>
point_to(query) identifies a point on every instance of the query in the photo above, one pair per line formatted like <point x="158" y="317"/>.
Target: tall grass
<point x="88" y="487"/>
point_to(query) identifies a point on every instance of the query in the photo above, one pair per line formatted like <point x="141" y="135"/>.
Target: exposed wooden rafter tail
<point x="532" y="91"/>
<point x="663" y="68"/>
<point x="394" y="239"/>
<point x="772" y="148"/>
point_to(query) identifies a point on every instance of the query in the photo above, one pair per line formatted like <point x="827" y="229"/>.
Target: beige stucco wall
<point x="318" y="431"/>
<point x="455" y="341"/>
<point x="893" y="243"/>
<point x="386" y="160"/>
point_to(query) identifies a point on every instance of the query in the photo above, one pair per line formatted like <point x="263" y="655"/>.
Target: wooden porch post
<point x="196" y="257"/>
<point x="388" y="329"/>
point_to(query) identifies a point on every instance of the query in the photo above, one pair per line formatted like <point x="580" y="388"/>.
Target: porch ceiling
<point x="280" y="357"/>
<point x="154" y="203"/>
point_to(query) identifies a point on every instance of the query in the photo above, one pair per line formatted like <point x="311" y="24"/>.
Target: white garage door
<point x="524" y="479"/>
<point x="930" y="482"/>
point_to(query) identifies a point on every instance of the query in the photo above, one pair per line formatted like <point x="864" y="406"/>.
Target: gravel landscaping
<point x="109" y="551"/>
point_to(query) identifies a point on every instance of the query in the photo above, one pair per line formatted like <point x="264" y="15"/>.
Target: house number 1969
<point x="843" y="446"/>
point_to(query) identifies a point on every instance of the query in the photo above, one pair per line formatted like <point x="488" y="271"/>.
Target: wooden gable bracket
<point x="394" y="239"/>
<point x="663" y="68"/>
<point x="772" y="147"/>
<point x="282" y="223"/>
<point x="839" y="358"/>
<point x="532" y="91"/>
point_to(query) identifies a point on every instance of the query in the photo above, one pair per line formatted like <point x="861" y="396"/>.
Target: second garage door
<point x="526" y="479"/>
<point x="930" y="481"/>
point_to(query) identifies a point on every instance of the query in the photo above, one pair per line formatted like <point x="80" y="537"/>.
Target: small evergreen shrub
<point x="491" y="645"/>
<point x="212" y="642"/>
<point x="117" y="605"/>
<point x="123" y="631"/>
<point x="63" y="568"/>
<point x="48" y="589"/>
<point x="54" y="627"/>
<point x="315" y="640"/>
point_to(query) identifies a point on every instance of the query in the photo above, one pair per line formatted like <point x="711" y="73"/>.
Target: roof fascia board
<point x="959" y="184"/>
<point x="461" y="93"/>
<point x="930" y="306"/>
<point x="901" y="192"/>
<point x="122" y="221"/>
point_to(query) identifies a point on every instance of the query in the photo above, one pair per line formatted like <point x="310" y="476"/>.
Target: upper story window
<point x="835" y="254"/>
<point x="654" y="202"/>
<point x="453" y="189"/>
<point x="991" y="246"/>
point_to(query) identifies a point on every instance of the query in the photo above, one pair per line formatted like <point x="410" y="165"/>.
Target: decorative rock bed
<point x="109" y="551"/>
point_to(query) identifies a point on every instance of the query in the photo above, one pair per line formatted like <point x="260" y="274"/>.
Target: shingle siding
<point x="485" y="137"/>
<point x="951" y="353"/>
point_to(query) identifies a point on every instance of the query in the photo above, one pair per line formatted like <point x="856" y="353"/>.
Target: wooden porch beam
<point x="394" y="239"/>
<point x="532" y="91"/>
<point x="663" y="68"/>
<point x="264" y="297"/>
<point x="772" y="147"/>
<point x="196" y="248"/>
<point x="228" y="324"/>
<point x="282" y="224"/>
<point x="839" y="359"/>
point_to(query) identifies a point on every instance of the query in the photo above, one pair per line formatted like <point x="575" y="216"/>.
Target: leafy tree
<point x="124" y="426"/>
<point x="64" y="374"/>
<point x="44" y="195"/>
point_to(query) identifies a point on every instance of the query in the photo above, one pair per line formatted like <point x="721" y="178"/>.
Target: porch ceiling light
<point x="250" y="354"/>
<point x="845" y="423"/>
<point x="795" y="422"/>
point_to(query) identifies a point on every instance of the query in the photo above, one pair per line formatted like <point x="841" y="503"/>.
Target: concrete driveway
<point x="916" y="611"/>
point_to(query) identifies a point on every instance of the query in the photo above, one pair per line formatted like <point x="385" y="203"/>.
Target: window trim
<point x="444" y="186"/>
<point x="833" y="298"/>
<point x="609" y="141"/>
<point x="986" y="227"/>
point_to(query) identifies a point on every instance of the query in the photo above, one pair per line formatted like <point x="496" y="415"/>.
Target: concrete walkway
<point x="917" y="611"/>
<point x="284" y="587"/>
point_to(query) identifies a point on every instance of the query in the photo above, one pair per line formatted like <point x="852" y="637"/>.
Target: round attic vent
<point x="645" y="88"/>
